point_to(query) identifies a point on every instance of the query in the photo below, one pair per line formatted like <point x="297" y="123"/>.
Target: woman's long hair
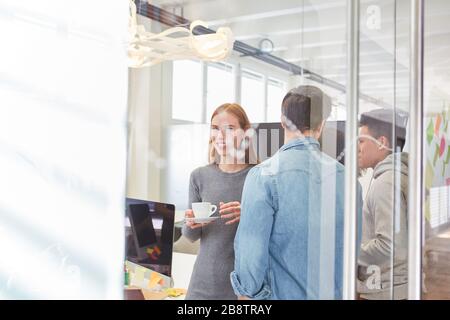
<point x="237" y="111"/>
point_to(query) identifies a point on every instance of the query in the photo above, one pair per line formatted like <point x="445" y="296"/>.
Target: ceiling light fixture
<point x="147" y="49"/>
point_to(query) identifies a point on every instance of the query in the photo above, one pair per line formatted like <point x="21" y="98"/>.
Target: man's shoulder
<point x="384" y="179"/>
<point x="268" y="167"/>
<point x="381" y="187"/>
<point x="332" y="163"/>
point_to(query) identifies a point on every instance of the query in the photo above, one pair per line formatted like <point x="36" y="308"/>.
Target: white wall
<point x="145" y="130"/>
<point x="146" y="120"/>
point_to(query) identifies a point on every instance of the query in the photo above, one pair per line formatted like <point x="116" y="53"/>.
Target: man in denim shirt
<point x="289" y="243"/>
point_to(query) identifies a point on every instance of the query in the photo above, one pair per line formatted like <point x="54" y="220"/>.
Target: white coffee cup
<point x="203" y="209"/>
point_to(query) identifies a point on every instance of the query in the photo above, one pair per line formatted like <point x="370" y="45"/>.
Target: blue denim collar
<point x="305" y="141"/>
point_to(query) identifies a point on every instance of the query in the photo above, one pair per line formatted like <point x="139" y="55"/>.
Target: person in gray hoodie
<point x="382" y="260"/>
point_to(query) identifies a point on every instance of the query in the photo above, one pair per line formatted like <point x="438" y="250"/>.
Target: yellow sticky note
<point x="172" y="292"/>
<point x="154" y="280"/>
<point x="427" y="210"/>
<point x="139" y="275"/>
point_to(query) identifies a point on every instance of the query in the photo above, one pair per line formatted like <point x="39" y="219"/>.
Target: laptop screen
<point x="152" y="228"/>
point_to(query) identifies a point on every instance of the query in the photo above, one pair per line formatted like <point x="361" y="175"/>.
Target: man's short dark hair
<point x="380" y="122"/>
<point x="306" y="107"/>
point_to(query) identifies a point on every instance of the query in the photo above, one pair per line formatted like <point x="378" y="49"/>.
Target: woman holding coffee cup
<point x="218" y="186"/>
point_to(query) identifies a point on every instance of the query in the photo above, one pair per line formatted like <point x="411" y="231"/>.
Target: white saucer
<point x="201" y="220"/>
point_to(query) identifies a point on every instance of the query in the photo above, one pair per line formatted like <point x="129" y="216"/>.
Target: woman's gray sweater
<point x="215" y="261"/>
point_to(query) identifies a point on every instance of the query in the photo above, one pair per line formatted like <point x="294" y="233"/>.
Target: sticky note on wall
<point x="138" y="277"/>
<point x="154" y="280"/>
<point x="429" y="176"/>
<point x="438" y="125"/>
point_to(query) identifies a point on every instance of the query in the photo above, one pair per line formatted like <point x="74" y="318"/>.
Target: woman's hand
<point x="230" y="210"/>
<point x="191" y="224"/>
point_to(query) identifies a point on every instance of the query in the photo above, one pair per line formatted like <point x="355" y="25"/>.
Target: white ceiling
<point x="312" y="34"/>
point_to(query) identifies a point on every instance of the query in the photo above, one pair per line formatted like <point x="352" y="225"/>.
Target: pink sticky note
<point x="442" y="147"/>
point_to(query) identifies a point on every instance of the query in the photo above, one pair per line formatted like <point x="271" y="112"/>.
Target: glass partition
<point x="173" y="152"/>
<point x="382" y="271"/>
<point x="281" y="45"/>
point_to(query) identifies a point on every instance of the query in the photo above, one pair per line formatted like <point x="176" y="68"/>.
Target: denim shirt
<point x="289" y="243"/>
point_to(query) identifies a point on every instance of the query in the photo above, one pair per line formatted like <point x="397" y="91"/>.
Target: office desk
<point x="135" y="293"/>
<point x="182" y="266"/>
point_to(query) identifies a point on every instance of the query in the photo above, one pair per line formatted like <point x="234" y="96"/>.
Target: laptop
<point x="150" y="240"/>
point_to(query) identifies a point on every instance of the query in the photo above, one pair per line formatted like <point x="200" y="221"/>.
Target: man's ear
<point x="319" y="130"/>
<point x="384" y="143"/>
<point x="283" y="125"/>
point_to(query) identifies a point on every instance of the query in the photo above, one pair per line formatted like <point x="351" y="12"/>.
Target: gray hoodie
<point x="384" y="245"/>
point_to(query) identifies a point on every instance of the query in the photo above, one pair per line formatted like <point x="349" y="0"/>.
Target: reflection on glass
<point x="62" y="149"/>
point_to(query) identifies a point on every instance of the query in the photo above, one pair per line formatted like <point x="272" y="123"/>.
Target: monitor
<point x="271" y="138"/>
<point x="150" y="242"/>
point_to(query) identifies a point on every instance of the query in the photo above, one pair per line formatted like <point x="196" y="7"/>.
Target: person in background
<point x="383" y="251"/>
<point x="220" y="183"/>
<point x="289" y="243"/>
